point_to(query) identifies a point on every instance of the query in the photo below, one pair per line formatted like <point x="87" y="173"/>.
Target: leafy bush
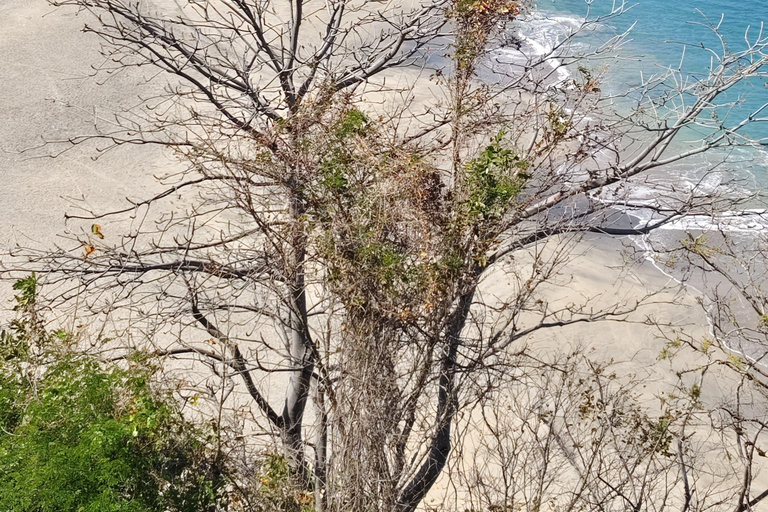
<point x="77" y="437"/>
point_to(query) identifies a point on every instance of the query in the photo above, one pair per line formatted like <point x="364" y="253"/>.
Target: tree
<point x="330" y="234"/>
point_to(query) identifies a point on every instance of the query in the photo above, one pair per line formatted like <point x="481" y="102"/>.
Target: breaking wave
<point x="536" y="38"/>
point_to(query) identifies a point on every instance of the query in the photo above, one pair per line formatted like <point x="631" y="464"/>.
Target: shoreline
<point x="748" y="223"/>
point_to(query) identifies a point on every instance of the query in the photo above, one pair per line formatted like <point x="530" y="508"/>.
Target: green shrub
<point x="77" y="437"/>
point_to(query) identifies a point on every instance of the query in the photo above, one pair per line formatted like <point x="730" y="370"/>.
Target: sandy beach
<point x="50" y="94"/>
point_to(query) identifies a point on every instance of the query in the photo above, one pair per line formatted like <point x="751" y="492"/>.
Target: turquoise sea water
<point x="662" y="32"/>
<point x="664" y="28"/>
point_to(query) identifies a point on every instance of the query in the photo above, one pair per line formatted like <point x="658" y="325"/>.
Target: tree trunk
<point x="440" y="445"/>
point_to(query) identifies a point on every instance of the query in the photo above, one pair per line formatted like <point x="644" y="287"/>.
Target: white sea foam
<point x="749" y="222"/>
<point x="736" y="174"/>
<point x="538" y="35"/>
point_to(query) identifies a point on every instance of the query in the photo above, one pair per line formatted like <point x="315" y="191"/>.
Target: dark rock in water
<point x="510" y="39"/>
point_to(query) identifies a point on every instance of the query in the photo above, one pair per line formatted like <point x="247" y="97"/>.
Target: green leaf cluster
<point x="85" y="439"/>
<point x="337" y="161"/>
<point x="493" y="179"/>
<point x="76" y="437"/>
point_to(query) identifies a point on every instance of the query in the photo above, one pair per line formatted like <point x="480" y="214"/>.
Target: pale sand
<point x="601" y="274"/>
<point x="46" y="58"/>
<point x="47" y="64"/>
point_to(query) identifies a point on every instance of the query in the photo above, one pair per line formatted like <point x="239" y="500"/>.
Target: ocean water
<point x="662" y="33"/>
<point x="671" y="33"/>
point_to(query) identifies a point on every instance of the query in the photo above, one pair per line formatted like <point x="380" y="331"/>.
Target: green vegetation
<point x="75" y="436"/>
<point x="354" y="122"/>
<point x="493" y="179"/>
<point x="339" y="156"/>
